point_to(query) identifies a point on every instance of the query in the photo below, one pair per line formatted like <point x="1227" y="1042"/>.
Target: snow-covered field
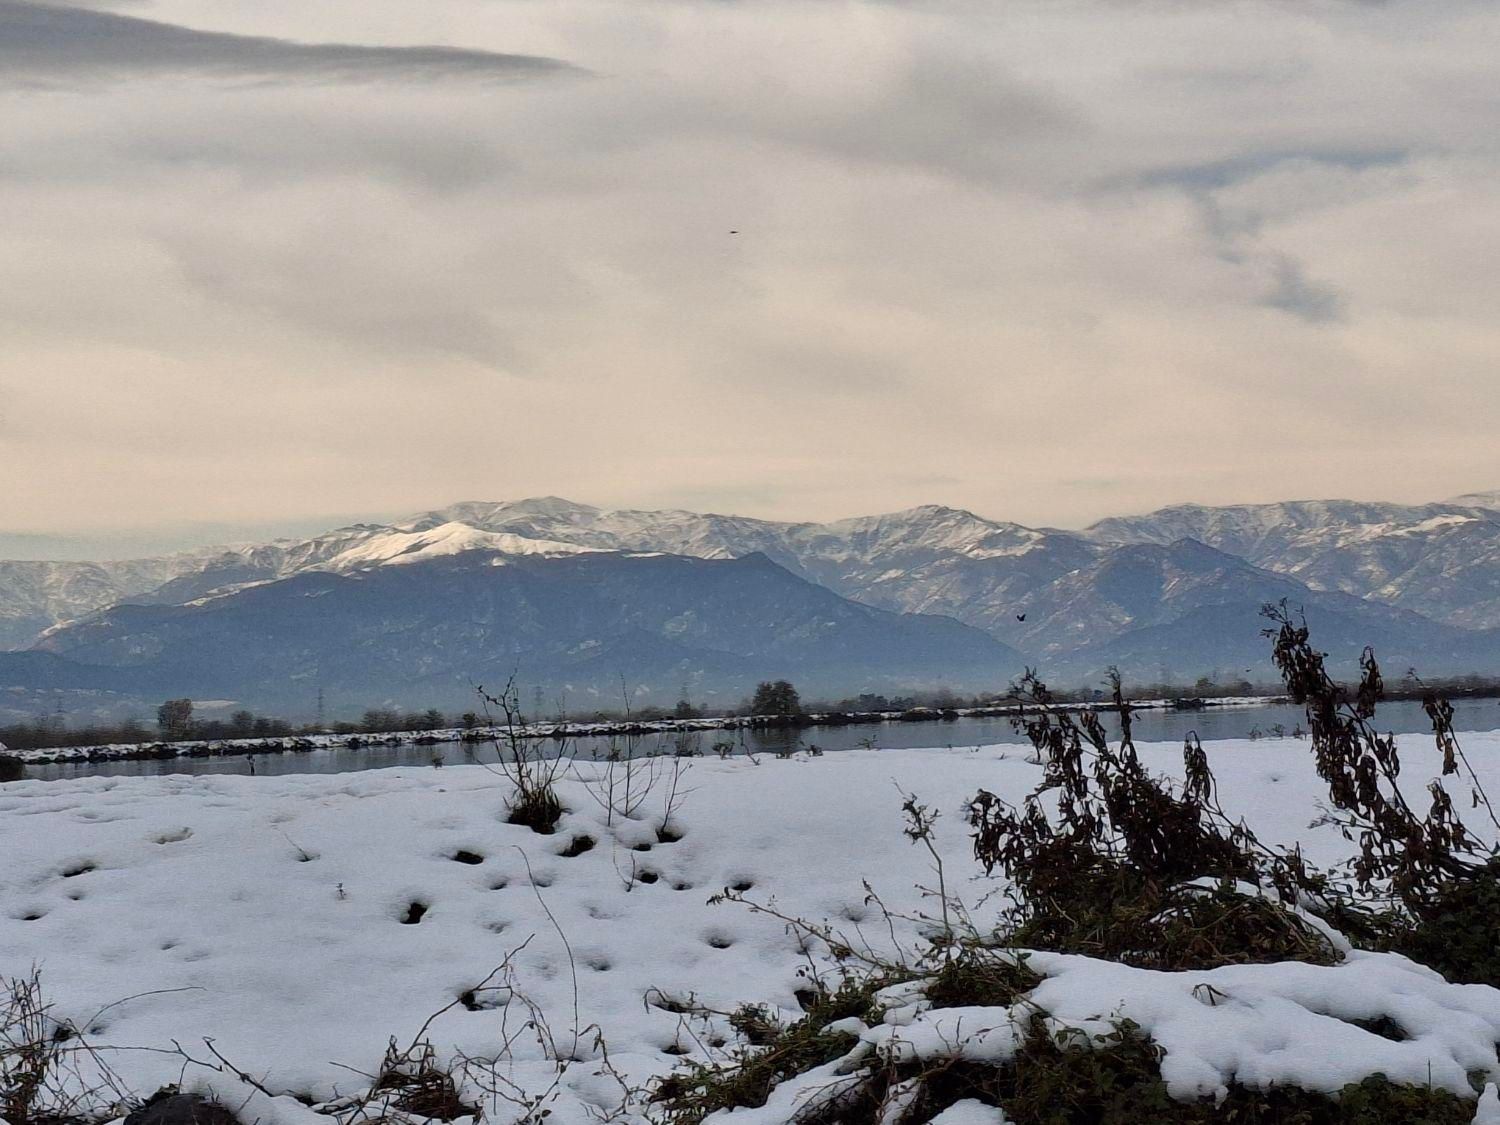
<point x="275" y="916"/>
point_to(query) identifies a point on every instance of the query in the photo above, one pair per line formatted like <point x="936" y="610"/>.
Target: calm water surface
<point x="1401" y="717"/>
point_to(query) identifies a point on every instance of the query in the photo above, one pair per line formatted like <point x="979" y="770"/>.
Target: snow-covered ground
<point x="275" y="916"/>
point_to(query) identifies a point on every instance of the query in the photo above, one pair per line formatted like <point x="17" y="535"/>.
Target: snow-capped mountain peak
<point x="390" y="546"/>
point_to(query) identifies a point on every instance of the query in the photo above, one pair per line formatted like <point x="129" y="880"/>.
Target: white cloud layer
<point x="1046" y="259"/>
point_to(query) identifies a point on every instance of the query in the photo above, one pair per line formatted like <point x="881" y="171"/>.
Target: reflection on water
<point x="1400" y="717"/>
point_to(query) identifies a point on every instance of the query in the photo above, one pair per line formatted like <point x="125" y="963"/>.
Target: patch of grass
<point x="1455" y="929"/>
<point x="981" y="978"/>
<point x="537" y="808"/>
<point x="1115" y="1079"/>
<point x="1066" y="1078"/>
<point x="1109" y="911"/>
<point x="421" y="1087"/>
<point x="774" y="1052"/>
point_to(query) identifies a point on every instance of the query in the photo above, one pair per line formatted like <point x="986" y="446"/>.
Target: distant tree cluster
<point x="776" y="697"/>
<point x="49" y="732"/>
<point x="175" y="722"/>
<point x="174" y="719"/>
<point x="244" y="724"/>
<point x="383" y="721"/>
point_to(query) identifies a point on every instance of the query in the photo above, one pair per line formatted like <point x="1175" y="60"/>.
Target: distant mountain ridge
<point x="1439" y="560"/>
<point x="1177" y="590"/>
<point x="34" y="596"/>
<point x="595" y="624"/>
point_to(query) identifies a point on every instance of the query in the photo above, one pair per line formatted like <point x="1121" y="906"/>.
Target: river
<point x="1400" y="717"/>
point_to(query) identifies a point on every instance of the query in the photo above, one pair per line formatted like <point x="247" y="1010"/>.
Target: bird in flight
<point x="1020" y="617"/>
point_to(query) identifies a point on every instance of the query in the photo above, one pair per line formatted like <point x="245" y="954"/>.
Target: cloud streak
<point x="53" y="43"/>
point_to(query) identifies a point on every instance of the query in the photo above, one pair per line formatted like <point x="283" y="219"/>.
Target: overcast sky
<point x="268" y="262"/>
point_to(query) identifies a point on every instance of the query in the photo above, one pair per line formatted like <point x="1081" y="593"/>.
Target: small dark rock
<point x="11" y="768"/>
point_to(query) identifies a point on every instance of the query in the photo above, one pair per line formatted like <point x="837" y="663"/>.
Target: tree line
<point x="177" y="721"/>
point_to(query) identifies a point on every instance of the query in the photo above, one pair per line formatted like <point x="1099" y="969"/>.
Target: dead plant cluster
<point x="1106" y="859"/>
<point x="532" y="771"/>
<point x="50" y="1072"/>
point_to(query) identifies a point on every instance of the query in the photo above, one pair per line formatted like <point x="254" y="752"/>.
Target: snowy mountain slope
<point x="1182" y="610"/>
<point x="835" y="553"/>
<point x="1439" y="560"/>
<point x="451" y="538"/>
<point x="1150" y="584"/>
<point x="233" y="568"/>
<point x="929" y="559"/>
<point x="1263" y="531"/>
<point x="1436" y="560"/>
<point x="37" y="595"/>
<point x="926" y="560"/>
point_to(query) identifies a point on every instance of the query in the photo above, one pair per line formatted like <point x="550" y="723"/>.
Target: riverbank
<point x="664" y="729"/>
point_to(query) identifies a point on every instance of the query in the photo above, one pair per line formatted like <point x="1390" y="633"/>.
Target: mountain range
<point x="583" y="600"/>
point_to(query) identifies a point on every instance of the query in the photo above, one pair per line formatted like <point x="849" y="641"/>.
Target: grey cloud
<point x="951" y="106"/>
<point x="46" y="43"/>
<point x="1236" y="230"/>
<point x="287" y="148"/>
<point x="1294" y="292"/>
<point x="1215" y="174"/>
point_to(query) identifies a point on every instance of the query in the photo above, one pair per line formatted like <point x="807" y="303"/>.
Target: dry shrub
<point x="1440" y="882"/>
<point x="1105" y="859"/>
<point x="49" y="1073"/>
<point x="525" y="763"/>
<point x="419" y="1085"/>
